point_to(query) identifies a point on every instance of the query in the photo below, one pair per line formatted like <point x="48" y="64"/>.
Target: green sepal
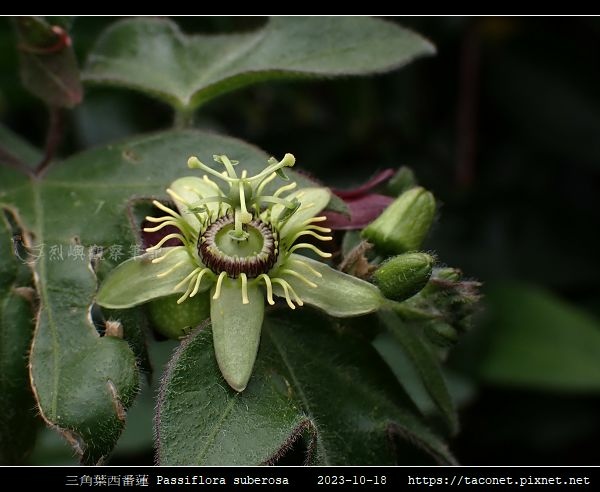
<point x="135" y="281"/>
<point x="236" y="330"/>
<point x="337" y="293"/>
<point x="312" y="201"/>
<point x="404" y="224"/>
<point x="192" y="189"/>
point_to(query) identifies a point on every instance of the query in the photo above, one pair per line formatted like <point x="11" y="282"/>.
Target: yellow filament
<point x="166" y="209"/>
<point x="269" y="288"/>
<point x="188" y="277"/>
<point x="160" y="226"/>
<point x="321" y="218"/>
<point x="198" y="279"/>
<point x="318" y="229"/>
<point x="161" y="258"/>
<point x="310" y="233"/>
<point x="211" y="183"/>
<point x="159" y="219"/>
<point x="296" y="296"/>
<point x="300" y="276"/>
<point x="165" y="239"/>
<point x="309" y="246"/>
<point x="306" y="206"/>
<point x="244" y="278"/>
<point x="285" y="188"/>
<point x="286" y="291"/>
<point x="170" y="270"/>
<point x="264" y="183"/>
<point x="307" y="266"/>
<point x="187" y="292"/>
<point x="219" y="283"/>
<point x="175" y="196"/>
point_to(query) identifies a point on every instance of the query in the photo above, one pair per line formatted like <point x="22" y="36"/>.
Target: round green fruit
<point x="177" y="320"/>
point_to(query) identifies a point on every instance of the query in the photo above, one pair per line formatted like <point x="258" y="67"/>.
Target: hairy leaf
<point x="307" y="379"/>
<point x="18" y="425"/>
<point x="536" y="340"/>
<point x="154" y="56"/>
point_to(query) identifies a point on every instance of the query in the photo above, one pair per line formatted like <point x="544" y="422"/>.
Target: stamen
<point x="170" y="270"/>
<point x="223" y="159"/>
<point x="194" y="163"/>
<point x="269" y="288"/>
<point x="264" y="183"/>
<point x="288" y="161"/>
<point x="309" y="246"/>
<point x="301" y="277"/>
<point x="285" y="188"/>
<point x="222" y="275"/>
<point x="165" y="239"/>
<point x="245" y="299"/>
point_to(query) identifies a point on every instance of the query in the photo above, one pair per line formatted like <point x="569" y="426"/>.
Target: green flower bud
<point x="404" y="276"/>
<point x="441" y="334"/>
<point x="402" y="181"/>
<point x="404" y="224"/>
<point x="176" y="320"/>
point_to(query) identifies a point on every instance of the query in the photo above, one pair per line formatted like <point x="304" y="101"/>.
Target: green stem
<point x="184" y="118"/>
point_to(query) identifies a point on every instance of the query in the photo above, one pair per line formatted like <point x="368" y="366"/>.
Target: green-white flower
<point x="242" y="244"/>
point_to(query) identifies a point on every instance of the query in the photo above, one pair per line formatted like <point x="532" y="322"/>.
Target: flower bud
<point x="177" y="320"/>
<point x="441" y="334"/>
<point x="403" y="180"/>
<point x="404" y="224"/>
<point x="403" y="276"/>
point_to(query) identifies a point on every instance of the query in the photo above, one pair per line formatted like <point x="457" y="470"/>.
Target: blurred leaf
<point x="47" y="62"/>
<point x="154" y="56"/>
<point x="81" y="204"/>
<point x="535" y="340"/>
<point x="425" y="362"/>
<point x="307" y="379"/>
<point x="18" y="425"/>
<point x="12" y="145"/>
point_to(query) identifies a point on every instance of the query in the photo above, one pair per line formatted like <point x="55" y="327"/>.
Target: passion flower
<point x="242" y="243"/>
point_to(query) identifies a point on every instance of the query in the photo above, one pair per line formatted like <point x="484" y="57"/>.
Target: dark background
<point x="503" y="125"/>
